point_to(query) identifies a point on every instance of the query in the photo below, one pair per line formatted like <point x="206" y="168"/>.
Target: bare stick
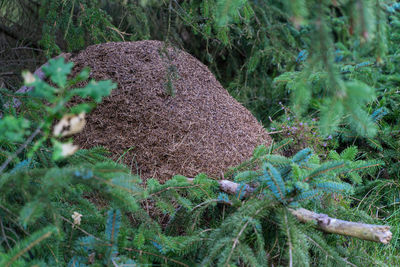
<point x="231" y="187"/>
<point x="369" y="232"/>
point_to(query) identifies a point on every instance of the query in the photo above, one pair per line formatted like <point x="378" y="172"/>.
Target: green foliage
<point x="190" y="220"/>
<point x="349" y="100"/>
<point x="81" y="22"/>
<point x="335" y="61"/>
<point x="96" y="90"/>
<point x="379" y="194"/>
<point x="57" y="70"/>
<point x="15" y="128"/>
<point x="13" y="257"/>
<point x="227" y="10"/>
<point x="385" y="110"/>
<point x="302" y="178"/>
<point x="297" y="133"/>
<point x="279" y="184"/>
<point x="261" y="51"/>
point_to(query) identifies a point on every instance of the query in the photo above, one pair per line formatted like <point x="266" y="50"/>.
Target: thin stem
<point x="326" y="252"/>
<point x="4" y="234"/>
<point x="236" y="241"/>
<point x="289" y="241"/>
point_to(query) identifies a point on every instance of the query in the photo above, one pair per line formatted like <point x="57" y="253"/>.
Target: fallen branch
<point x="369" y="232"/>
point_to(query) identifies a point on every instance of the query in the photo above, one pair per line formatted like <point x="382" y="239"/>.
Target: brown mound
<point x="200" y="129"/>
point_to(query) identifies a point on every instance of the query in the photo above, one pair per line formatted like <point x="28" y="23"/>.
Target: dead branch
<point x="369" y="232"/>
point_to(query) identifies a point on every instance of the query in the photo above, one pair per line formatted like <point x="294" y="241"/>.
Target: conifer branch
<point x="166" y="259"/>
<point x="236" y="241"/>
<point x="20" y="149"/>
<point x="369" y="232"/>
<point x="327" y="253"/>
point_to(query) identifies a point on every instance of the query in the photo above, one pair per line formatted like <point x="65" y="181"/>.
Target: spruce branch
<point x="369" y="232"/>
<point x="20" y="149"/>
<point x="236" y="241"/>
<point x="166" y="259"/>
<point x="326" y="252"/>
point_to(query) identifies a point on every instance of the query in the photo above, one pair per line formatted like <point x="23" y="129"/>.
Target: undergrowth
<point x="322" y="75"/>
<point x="62" y="206"/>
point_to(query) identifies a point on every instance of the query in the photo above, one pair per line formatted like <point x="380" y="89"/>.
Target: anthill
<point x="169" y="114"/>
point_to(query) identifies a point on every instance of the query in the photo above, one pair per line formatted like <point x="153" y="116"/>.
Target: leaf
<point x="96" y="90"/>
<point x="77" y="262"/>
<point x="359" y="91"/>
<point x="84" y="107"/>
<point x="139" y="239"/>
<point x="20" y="249"/>
<point x="259" y="151"/>
<point x="87" y="243"/>
<point x="152" y="184"/>
<point x="241" y="190"/>
<point x="253" y="62"/>
<point x="360" y="121"/>
<point x="334" y="187"/>
<point x="21" y="166"/>
<point x="307" y="195"/>
<point x="58" y="71"/>
<point x="285" y="77"/>
<point x="84" y="173"/>
<point x="127" y="181"/>
<point x="245" y="176"/>
<point x="43" y="90"/>
<point x="357" y="95"/>
<point x="334" y="155"/>
<point x="82" y="76"/>
<point x="325" y="168"/>
<point x="223" y="197"/>
<point x="13" y="129"/>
